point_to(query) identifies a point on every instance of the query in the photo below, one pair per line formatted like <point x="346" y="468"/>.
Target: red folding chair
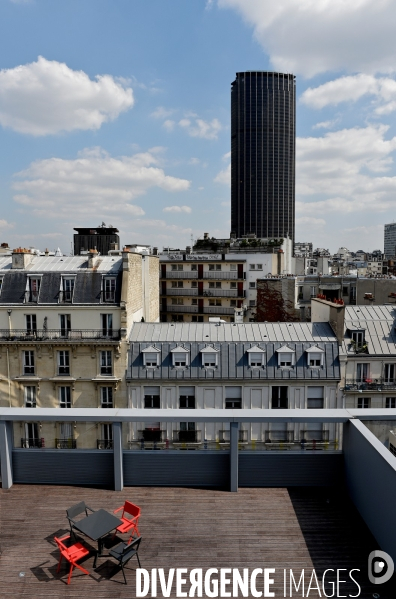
<point x="71" y="554"/>
<point x="130" y="518"/>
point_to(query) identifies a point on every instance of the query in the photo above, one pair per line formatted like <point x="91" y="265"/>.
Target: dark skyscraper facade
<point x="263" y="134"/>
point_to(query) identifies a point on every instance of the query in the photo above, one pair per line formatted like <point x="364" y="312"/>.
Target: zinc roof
<point x="378" y="322"/>
<point x="64" y="264"/>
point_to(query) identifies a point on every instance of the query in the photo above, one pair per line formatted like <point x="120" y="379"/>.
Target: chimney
<point x="21" y="258"/>
<point x="325" y="311"/>
<point x="206" y="235"/>
<point x="114" y="245"/>
<point x="92" y="257"/>
<point x="155" y="251"/>
<point x="46" y="252"/>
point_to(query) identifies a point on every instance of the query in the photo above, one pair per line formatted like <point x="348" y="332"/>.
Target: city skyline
<point x="121" y="113"/>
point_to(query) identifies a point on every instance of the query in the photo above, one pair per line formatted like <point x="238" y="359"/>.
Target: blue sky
<point x="118" y="111"/>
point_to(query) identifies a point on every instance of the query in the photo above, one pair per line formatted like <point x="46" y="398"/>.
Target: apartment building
<point x="232" y="366"/>
<point x="64" y="325"/>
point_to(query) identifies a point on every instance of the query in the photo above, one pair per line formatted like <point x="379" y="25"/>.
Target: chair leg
<point x="59" y="565"/>
<point x="122" y="568"/>
<point x="70" y="573"/>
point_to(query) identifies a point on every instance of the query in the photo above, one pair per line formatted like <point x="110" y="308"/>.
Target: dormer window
<point x="210" y="357"/>
<point x="67" y="289"/>
<point x="256" y="357"/>
<point x="286" y="357"/>
<point x="33" y="289"/>
<point x="315" y="356"/>
<point x="151" y="356"/>
<point x="358" y="338"/>
<point x="180" y="357"/>
<point x="109" y="287"/>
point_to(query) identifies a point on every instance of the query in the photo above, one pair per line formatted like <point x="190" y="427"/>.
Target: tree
<point x="272" y="307"/>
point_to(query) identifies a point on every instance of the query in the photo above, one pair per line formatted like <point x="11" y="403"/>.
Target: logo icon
<point x="380" y="567"/>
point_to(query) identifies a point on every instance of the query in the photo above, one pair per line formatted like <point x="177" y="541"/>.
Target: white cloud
<point x="177" y="209"/>
<point x="5" y="224"/>
<point x="93" y="183"/>
<point x="310" y="221"/>
<point x="326" y="124"/>
<point x="162" y="113"/>
<point x="169" y="125"/>
<point x="345" y="172"/>
<point x="352" y="89"/>
<point x="46" y="97"/>
<point x="201" y="128"/>
<point x="224" y="176"/>
<point x="194" y="161"/>
<point x="313" y="36"/>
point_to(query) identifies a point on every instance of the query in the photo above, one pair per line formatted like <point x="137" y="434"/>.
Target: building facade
<point x="263" y="131"/>
<point x="64" y="325"/>
<point x="390" y="240"/>
<point x="232" y="366"/>
<point x="103" y="239"/>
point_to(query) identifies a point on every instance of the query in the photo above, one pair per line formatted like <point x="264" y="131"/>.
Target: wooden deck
<point x="183" y="528"/>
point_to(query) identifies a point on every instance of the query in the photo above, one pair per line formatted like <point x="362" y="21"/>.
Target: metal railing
<point x="193" y="292"/>
<point x="279" y="436"/>
<point x="67" y="334"/>
<point x="28" y="443"/>
<point x="179" y="291"/>
<point x="221" y="274"/>
<point x="187" y="436"/>
<point x="379" y="384"/>
<point x="181" y="308"/>
<point x="224" y="436"/>
<point x="104" y="444"/>
<point x="152" y="435"/>
<point x="181" y="274"/>
<point x="218" y="310"/>
<point x="65" y="444"/>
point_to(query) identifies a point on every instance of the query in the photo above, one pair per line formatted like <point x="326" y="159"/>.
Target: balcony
<point x="278" y="436"/>
<point x="65" y="444"/>
<point x="181" y="274"/>
<point x="65" y="334"/>
<point x="187" y="437"/>
<point x="174" y="291"/>
<point x="224" y="436"/>
<point x="181" y="308"/>
<point x="104" y="444"/>
<point x="218" y="310"/>
<point x="380" y="384"/>
<point x="27" y="443"/>
<point x="149" y="435"/>
<point x="221" y="274"/>
<point x="310" y="438"/>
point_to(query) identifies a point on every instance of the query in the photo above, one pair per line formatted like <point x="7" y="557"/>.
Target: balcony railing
<point x="65" y="444"/>
<point x="181" y="308"/>
<point x="380" y="384"/>
<point x="274" y="436"/>
<point x="224" y="436"/>
<point x="221" y="274"/>
<point x="177" y="291"/>
<point x="181" y="274"/>
<point x="28" y="443"/>
<point x="149" y="435"/>
<point x="311" y="436"/>
<point x="49" y="334"/>
<point x="104" y="444"/>
<point x="187" y="436"/>
<point x="218" y="310"/>
<point x="174" y="291"/>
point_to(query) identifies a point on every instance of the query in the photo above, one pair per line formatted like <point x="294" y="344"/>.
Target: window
<point x="390" y="402"/>
<point x="187" y="402"/>
<point x="233" y="398"/>
<point x="358" y="338"/>
<point x="313" y="291"/>
<point x="177" y="266"/>
<point x="233" y="303"/>
<point x="194" y="267"/>
<point x="285" y="357"/>
<point x="389" y="373"/>
<point x="345" y="291"/>
<point x="106" y="397"/>
<point x="233" y="285"/>
<point x="209" y="357"/>
<point x="34" y="289"/>
<point x="30" y="397"/>
<point x="31" y="323"/>
<point x="67" y="289"/>
<point x="259" y="267"/>
<point x="256" y="357"/>
<point x="152" y="402"/>
<point x="214" y="266"/>
<point x="194" y="284"/>
<point x="252" y="267"/>
<point x="106" y="367"/>
<point x="177" y="283"/>
<point x="315" y="356"/>
<point x="151" y="357"/>
<point x="180" y="357"/>
<point x="279" y="398"/>
<point x="28" y="362"/>
<point x="177" y="301"/>
<point x="363" y="402"/>
<point x="194" y="302"/>
<point x="107" y="324"/>
<point x="252" y="303"/>
<point x="65" y="324"/>
<point x="177" y="318"/>
<point x="362" y="372"/>
<point x="63" y="362"/>
<point x="109" y="287"/>
<point x="106" y="441"/>
<point x="252" y="285"/>
<point x="233" y="267"/>
<point x="64" y="397"/>
<point x="315" y="398"/>
<point x="215" y="285"/>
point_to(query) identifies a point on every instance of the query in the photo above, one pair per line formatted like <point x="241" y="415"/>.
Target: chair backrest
<point x="77" y="509"/>
<point x="61" y="545"/>
<point x="130" y="550"/>
<point x="132" y="509"/>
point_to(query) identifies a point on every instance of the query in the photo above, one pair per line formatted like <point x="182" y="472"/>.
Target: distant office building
<point x="102" y="238"/>
<point x="390" y="240"/>
<point x="263" y="132"/>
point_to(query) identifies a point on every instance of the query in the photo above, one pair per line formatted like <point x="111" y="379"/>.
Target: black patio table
<point x="96" y="526"/>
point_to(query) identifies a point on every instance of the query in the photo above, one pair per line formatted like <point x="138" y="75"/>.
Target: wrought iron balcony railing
<point x="274" y="436"/>
<point x="224" y="436"/>
<point x="104" y="444"/>
<point x="379" y="384"/>
<point x="65" y="444"/>
<point x="312" y="437"/>
<point x="149" y="435"/>
<point x="28" y="443"/>
<point x="187" y="436"/>
<point x="50" y="334"/>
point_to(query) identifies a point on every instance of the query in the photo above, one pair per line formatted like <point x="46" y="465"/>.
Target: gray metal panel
<point x="290" y="469"/>
<point x="13" y="288"/>
<point x="177" y="468"/>
<point x="63" y="467"/>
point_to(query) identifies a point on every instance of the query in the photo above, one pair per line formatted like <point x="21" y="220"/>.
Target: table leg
<point x="98" y="553"/>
